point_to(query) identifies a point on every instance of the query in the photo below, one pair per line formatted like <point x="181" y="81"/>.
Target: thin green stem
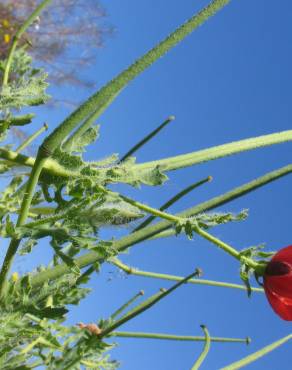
<point x="141" y="143"/>
<point x="187" y="338"/>
<point x="175" y="219"/>
<point x="23" y="214"/>
<point x="126" y="305"/>
<point x="11" y="251"/>
<point x="31" y="138"/>
<point x="44" y="220"/>
<point x="150" y="231"/>
<point x="99" y="101"/>
<point x="42" y="210"/>
<point x="224" y="246"/>
<point x="173" y="200"/>
<point x="256" y="355"/>
<point x="18" y="35"/>
<point x="50" y="219"/>
<point x="144" y="306"/>
<point x="205" y="351"/>
<point x="148" y="209"/>
<point x="190" y="159"/>
<point x="133" y="271"/>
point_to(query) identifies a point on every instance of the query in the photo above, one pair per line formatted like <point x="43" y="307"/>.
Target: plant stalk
<point x="150" y="231"/>
<point x="205" y="351"/>
<point x="256" y="355"/>
<point x="188" y="338"/>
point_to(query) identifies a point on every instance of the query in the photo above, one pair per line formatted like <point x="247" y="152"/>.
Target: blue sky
<point x="231" y="79"/>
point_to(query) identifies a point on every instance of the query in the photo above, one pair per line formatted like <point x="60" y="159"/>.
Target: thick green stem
<point x="18" y="35"/>
<point x="205" y="351"/>
<point x="51" y="166"/>
<point x="188" y="338"/>
<point x="150" y="231"/>
<point x="155" y="275"/>
<point x="23" y="214"/>
<point x="167" y="164"/>
<point x="190" y="159"/>
<point x="99" y="101"/>
<point x="31" y="184"/>
<point x="256" y="355"/>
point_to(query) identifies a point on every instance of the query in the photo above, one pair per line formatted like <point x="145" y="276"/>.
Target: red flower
<point x="278" y="283"/>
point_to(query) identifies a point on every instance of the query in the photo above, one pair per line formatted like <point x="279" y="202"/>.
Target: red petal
<point x="284" y="255"/>
<point x="279" y="284"/>
<point x="281" y="305"/>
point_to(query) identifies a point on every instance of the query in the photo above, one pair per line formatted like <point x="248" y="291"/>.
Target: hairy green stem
<point x="6" y="265"/>
<point x="133" y="271"/>
<point x="51" y="166"/>
<point x="31" y="138"/>
<point x="146" y="139"/>
<point x="175" y="219"/>
<point x="205" y="351"/>
<point x="256" y="355"/>
<point x="190" y="159"/>
<point x="189" y="338"/>
<point x="167" y="164"/>
<point x="99" y="101"/>
<point x="23" y="214"/>
<point x="18" y="35"/>
<point x="150" y="231"/>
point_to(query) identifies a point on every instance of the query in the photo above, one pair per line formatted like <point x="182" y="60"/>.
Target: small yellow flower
<point x="5" y="23"/>
<point x="15" y="277"/>
<point x="7" y="38"/>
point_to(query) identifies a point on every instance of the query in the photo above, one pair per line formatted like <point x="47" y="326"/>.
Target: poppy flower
<point x="278" y="283"/>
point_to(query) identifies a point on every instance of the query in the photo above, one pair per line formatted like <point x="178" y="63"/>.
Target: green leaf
<point x="28" y="86"/>
<point x="49" y="312"/>
<point x="27" y="247"/>
<point x="9" y="227"/>
<point x="69" y="261"/>
<point x="207" y="220"/>
<point x="88" y="137"/>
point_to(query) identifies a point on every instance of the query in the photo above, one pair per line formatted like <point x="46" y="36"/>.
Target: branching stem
<point x="149" y="231"/>
<point x="179" y="220"/>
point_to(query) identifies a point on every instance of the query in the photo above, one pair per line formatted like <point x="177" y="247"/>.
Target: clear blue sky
<point x="231" y="79"/>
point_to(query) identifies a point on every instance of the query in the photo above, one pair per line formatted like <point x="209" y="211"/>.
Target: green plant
<point x="67" y="199"/>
